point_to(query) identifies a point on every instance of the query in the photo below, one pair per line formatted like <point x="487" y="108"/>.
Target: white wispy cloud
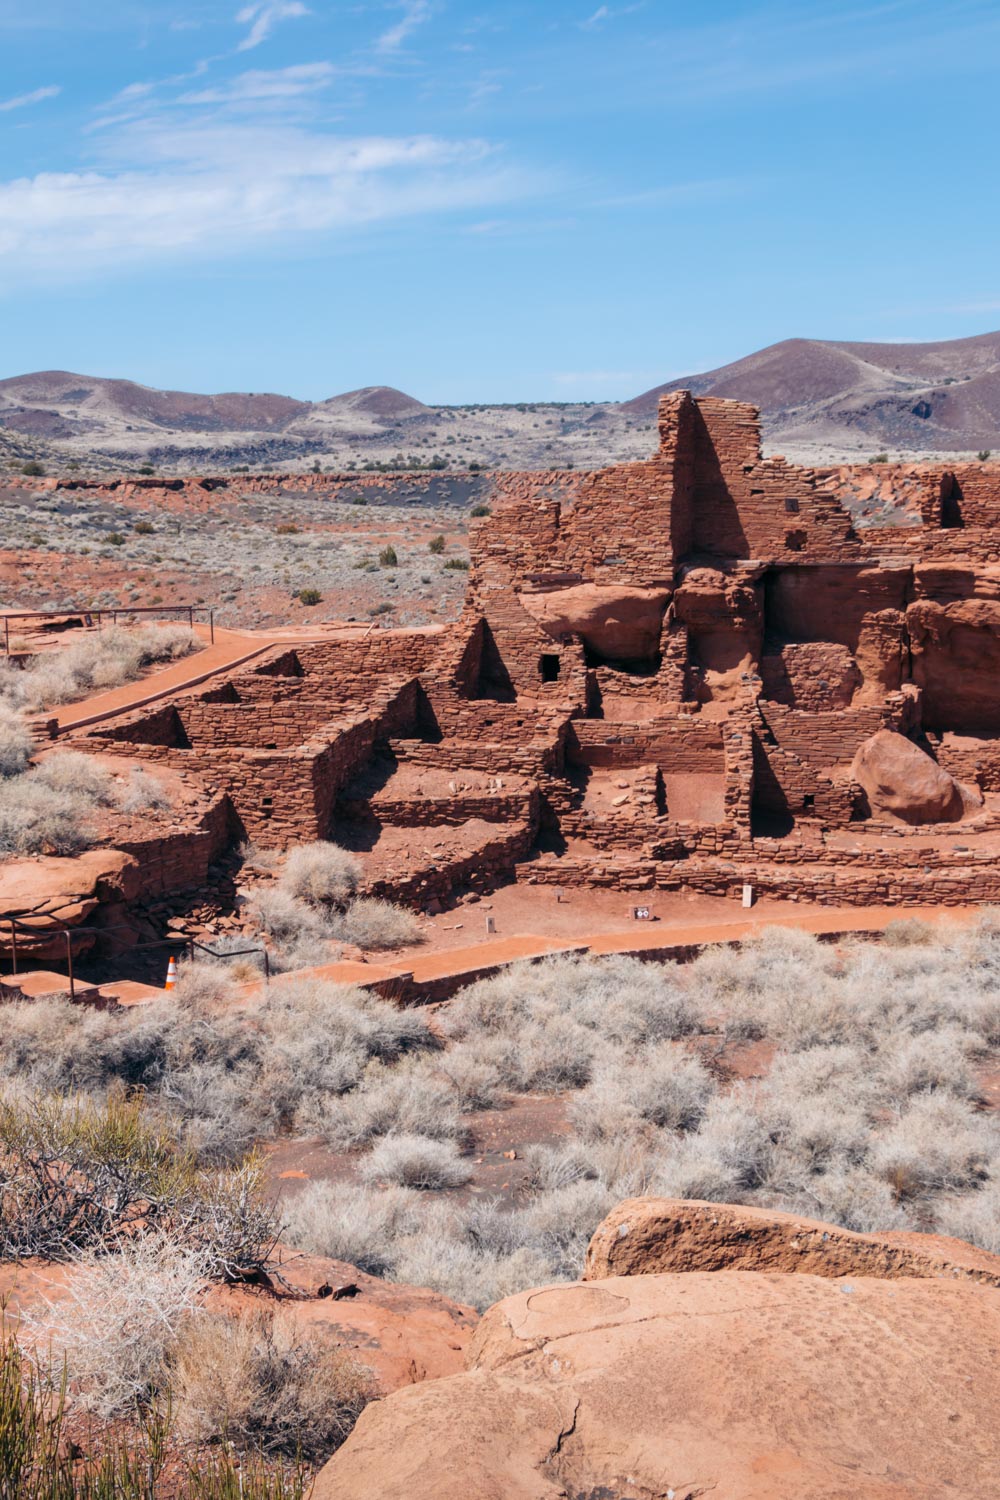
<point x="415" y="13"/>
<point x="260" y="85"/>
<point x="35" y="97"/>
<point x="605" y="13"/>
<point x="263" y="15"/>
<point x="209" y="185"/>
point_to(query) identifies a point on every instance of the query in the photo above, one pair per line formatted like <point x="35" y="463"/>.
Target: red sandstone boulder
<point x="649" y="1236"/>
<point x="740" y="1384"/>
<point x="50" y="893"/>
<point x="615" y="621"/>
<point x="403" y="1333"/>
<point x="898" y="778"/>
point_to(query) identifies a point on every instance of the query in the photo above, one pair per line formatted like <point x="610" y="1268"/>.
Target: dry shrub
<point x="15" y="742"/>
<point x="415" y="1161"/>
<point x="670" y="1089"/>
<point x="79" y="1178"/>
<point x="143" y="793"/>
<point x="70" y="771"/>
<point x="974" y="1216"/>
<point x="94" y="661"/>
<point x="358" y="1224"/>
<point x="405" y="1100"/>
<point x="49" y="809"/>
<point x="117" y="1323"/>
<point x="375" y="924"/>
<point x="35" y="819"/>
<point x="936" y="1143"/>
<point x="286" y="918"/>
<point x="321" y="873"/>
<point x="257" y="1382"/>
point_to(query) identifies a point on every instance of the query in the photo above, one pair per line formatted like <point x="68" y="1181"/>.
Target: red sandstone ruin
<point x="693" y="672"/>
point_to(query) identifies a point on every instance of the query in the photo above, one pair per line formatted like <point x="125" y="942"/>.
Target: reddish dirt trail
<point x="476" y="958"/>
<point x="230" y="649"/>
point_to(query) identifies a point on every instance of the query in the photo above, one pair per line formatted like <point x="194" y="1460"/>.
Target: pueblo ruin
<point x="707" y="671"/>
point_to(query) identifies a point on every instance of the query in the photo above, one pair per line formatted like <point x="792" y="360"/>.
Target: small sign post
<point x="641" y="914"/>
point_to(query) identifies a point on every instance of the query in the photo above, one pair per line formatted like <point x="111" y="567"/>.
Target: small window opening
<point x="792" y="505"/>
<point x="550" y="665"/>
<point x="808" y="801"/>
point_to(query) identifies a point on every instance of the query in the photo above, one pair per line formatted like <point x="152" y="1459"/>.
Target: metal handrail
<point x="16" y="923"/>
<point x="90" y="615"/>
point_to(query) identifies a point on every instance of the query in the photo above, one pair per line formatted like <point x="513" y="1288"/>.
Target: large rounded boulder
<point x="898" y="778"/>
<point x="875" y="1379"/>
<point x="615" y="621"/>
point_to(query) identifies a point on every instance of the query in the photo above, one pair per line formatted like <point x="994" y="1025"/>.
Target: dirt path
<point x="474" y="960"/>
<point x="230" y="649"/>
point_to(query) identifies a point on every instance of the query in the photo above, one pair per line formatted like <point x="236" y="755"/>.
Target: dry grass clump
<point x="49" y="808"/>
<point x="414" y="1161"/>
<point x="321" y="873"/>
<point x="258" y="1383"/>
<point x="303" y="933"/>
<point x="92" y="662"/>
<point x="374" y="924"/>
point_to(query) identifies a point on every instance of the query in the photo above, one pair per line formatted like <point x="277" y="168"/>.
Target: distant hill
<point x="821" y="401"/>
<point x="918" y="396"/>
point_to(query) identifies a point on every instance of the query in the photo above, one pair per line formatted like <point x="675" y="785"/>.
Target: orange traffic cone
<point x="171" y="974"/>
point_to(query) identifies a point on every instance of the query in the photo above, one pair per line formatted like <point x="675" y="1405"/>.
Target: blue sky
<point x="488" y="201"/>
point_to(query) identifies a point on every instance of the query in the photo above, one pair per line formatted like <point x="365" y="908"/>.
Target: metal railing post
<point x="211" y="627"/>
<point x="13" y="946"/>
<point x="69" y="965"/>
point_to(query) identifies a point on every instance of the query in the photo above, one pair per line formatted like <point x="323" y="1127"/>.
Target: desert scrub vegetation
<point x="320" y="873"/>
<point x="869" y="1115"/>
<point x="238" y="1401"/>
<point x="213" y="1077"/>
<point x="313" y="905"/>
<point x="867" y="1111"/>
<point x="126" y="1335"/>
<point x="50" y="808"/>
<point x="84" y="1178"/>
<point x="91" y="662"/>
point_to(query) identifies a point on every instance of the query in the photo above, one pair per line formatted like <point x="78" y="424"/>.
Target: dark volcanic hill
<point x="821" y="401"/>
<point x="921" y="396"/>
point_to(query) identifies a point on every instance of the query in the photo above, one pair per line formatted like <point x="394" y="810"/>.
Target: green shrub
<point x="984" y="454"/>
<point x="479" y="510"/>
<point x="113" y="538"/>
<point x="32" y="468"/>
<point x="146" y="469"/>
<point x="144" y="528"/>
<point x="879" y="458"/>
<point x="458" y="564"/>
<point x="40" y="1461"/>
<point x="287" y="528"/>
<point x="309" y="596"/>
<point x="79" y="1177"/>
<point x="436" y="543"/>
<point x="385" y="608"/>
<point x="387" y="557"/>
